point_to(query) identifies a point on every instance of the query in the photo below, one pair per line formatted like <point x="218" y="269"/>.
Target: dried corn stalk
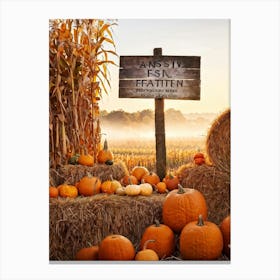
<point x="78" y="74"/>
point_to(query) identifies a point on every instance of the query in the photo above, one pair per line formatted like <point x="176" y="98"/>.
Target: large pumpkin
<point x="201" y="241"/>
<point x="225" y="229"/>
<point x="105" y="155"/>
<point x="89" y="185"/>
<point x="139" y="172"/>
<point x="183" y="206"/>
<point x="164" y="239"/>
<point x="116" y="247"/>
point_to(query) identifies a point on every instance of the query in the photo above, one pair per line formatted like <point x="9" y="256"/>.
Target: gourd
<point x="147" y="254"/>
<point x="105" y="155"/>
<point x="139" y="172"/>
<point x="116" y="247"/>
<point x="87" y="254"/>
<point x="201" y="240"/>
<point x="199" y="158"/>
<point x="66" y="190"/>
<point x="225" y="229"/>
<point x="183" y="206"/>
<point x="161" y="187"/>
<point x="53" y="192"/>
<point x="164" y="239"/>
<point x="171" y="182"/>
<point x="146" y="189"/>
<point x="151" y="178"/>
<point x="89" y="185"/>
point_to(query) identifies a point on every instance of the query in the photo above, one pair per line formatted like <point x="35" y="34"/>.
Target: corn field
<point x="79" y="53"/>
<point x="143" y="152"/>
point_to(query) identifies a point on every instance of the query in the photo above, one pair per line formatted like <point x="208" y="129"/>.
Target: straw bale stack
<point x="218" y="142"/>
<point x="74" y="173"/>
<point x="213" y="183"/>
<point x="84" y="221"/>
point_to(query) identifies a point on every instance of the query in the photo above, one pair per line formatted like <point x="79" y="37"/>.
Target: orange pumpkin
<point x="53" y="192"/>
<point x="89" y="185"/>
<point x="199" y="158"/>
<point x="201" y="241"/>
<point x="164" y="239"/>
<point x="225" y="229"/>
<point x="151" y="178"/>
<point x="110" y="186"/>
<point x="86" y="160"/>
<point x="147" y="254"/>
<point x="105" y="155"/>
<point x="66" y="190"/>
<point x="161" y="187"/>
<point x="183" y="206"/>
<point x="139" y="172"/>
<point x="116" y="247"/>
<point x="171" y="182"/>
<point x="87" y="254"/>
<point x="128" y="180"/>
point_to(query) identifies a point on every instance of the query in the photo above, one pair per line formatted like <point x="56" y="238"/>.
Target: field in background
<point x="143" y="151"/>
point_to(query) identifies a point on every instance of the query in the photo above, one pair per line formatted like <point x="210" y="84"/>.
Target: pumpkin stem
<point x="200" y="221"/>
<point x="180" y="189"/>
<point x="111" y="177"/>
<point x="157" y="223"/>
<point x="89" y="175"/>
<point x="105" y="147"/>
<point x="146" y="243"/>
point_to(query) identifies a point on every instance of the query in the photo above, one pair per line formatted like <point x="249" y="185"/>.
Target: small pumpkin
<point x="225" y="229"/>
<point x="171" y="182"/>
<point x="201" y="240"/>
<point x="164" y="239"/>
<point x="132" y="190"/>
<point x="53" y="192"/>
<point x="151" y="178"/>
<point x="199" y="158"/>
<point x="129" y="179"/>
<point x="161" y="187"/>
<point x="147" y="254"/>
<point x="120" y="191"/>
<point x="87" y="254"/>
<point x="86" y="160"/>
<point x="105" y="154"/>
<point x="66" y="190"/>
<point x="139" y="172"/>
<point x="183" y="206"/>
<point x="89" y="185"/>
<point x="146" y="189"/>
<point x="116" y="247"/>
<point x="110" y="186"/>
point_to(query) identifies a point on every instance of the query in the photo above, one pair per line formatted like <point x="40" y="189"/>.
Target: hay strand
<point x="218" y="142"/>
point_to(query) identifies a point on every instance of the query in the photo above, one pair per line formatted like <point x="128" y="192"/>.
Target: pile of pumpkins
<point x="185" y="214"/>
<point x="139" y="182"/>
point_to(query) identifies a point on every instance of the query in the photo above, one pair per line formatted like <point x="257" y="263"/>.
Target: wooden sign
<point x="160" y="77"/>
<point x="168" y="77"/>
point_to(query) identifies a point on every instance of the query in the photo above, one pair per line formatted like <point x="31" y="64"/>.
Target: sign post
<point x="160" y="77"/>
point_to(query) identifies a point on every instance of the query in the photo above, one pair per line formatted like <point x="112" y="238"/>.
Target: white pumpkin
<point x="146" y="189"/>
<point x="132" y="190"/>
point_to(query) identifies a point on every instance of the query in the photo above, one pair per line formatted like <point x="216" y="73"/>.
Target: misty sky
<point x="209" y="39"/>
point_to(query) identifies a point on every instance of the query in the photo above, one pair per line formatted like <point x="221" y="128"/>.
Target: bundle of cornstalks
<point x="78" y="74"/>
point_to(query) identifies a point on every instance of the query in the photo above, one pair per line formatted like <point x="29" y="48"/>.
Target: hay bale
<point x="213" y="183"/>
<point x="83" y="221"/>
<point x="74" y="173"/>
<point x="218" y="142"/>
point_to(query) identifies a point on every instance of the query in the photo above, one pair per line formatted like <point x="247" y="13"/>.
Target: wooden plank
<point x="186" y="93"/>
<point x="178" y="73"/>
<point x="160" y="138"/>
<point x="166" y="62"/>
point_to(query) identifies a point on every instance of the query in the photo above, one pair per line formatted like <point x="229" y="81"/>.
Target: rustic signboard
<point x="160" y="77"/>
<point x="169" y="77"/>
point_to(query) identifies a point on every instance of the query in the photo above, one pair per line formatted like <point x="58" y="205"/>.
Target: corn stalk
<point x="79" y="51"/>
